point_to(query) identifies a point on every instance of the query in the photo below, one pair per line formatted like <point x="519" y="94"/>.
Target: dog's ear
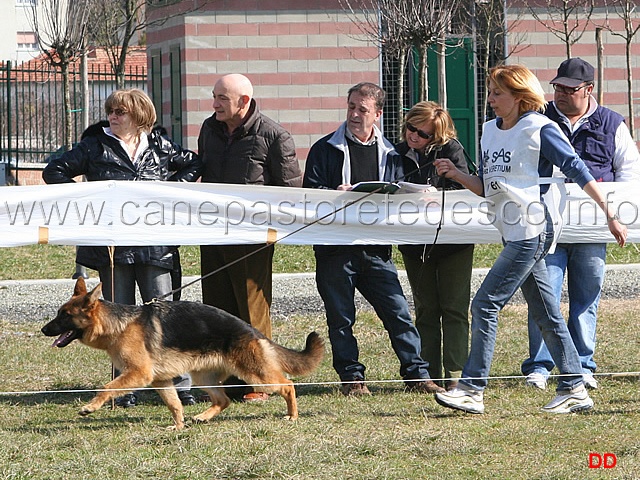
<point x="96" y="293"/>
<point x="81" y="287"/>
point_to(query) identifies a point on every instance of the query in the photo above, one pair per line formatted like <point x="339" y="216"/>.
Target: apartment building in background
<point x="18" y="42"/>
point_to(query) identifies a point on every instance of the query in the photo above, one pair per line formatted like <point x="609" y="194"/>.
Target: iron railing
<point x="32" y="107"/>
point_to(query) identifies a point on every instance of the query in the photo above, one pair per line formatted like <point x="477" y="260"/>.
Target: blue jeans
<point x="520" y="265"/>
<point x="152" y="282"/>
<point x="340" y="271"/>
<point x="584" y="264"/>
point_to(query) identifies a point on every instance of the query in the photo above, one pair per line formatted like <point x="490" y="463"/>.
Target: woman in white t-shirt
<point x="519" y="149"/>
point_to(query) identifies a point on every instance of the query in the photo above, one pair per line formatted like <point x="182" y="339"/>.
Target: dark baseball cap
<point x="574" y="72"/>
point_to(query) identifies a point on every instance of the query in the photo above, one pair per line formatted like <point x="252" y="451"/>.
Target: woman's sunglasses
<point x="118" y="112"/>
<point x="421" y="133"/>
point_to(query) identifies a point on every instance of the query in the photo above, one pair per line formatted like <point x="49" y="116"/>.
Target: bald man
<point x="240" y="145"/>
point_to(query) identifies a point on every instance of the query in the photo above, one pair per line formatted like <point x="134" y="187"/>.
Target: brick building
<point x="301" y="59"/>
<point x="535" y="46"/>
<point x="303" y="55"/>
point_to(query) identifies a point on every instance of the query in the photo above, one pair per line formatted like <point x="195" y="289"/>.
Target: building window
<point x="27" y="41"/>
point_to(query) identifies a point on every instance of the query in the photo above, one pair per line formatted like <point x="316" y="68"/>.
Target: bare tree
<point x="565" y="19"/>
<point x="434" y="24"/>
<point x="490" y="31"/>
<point x="404" y="27"/>
<point x="114" y="26"/>
<point x="626" y="11"/>
<point x="116" y="23"/>
<point x="60" y="27"/>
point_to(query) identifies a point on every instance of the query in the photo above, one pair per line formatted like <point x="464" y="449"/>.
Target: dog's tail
<point x="302" y="362"/>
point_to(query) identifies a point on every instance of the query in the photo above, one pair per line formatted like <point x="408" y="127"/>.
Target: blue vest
<point x="594" y="141"/>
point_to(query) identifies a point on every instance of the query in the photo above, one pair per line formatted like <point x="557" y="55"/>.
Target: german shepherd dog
<point x="153" y="343"/>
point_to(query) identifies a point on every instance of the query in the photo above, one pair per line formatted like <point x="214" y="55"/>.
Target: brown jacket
<point x="260" y="152"/>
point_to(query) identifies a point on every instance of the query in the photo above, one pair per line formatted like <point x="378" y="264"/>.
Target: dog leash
<point x="330" y="214"/>
<point x="112" y="250"/>
<point x="268" y="244"/>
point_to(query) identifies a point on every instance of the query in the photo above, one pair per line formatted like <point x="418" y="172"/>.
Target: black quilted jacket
<point x="99" y="156"/>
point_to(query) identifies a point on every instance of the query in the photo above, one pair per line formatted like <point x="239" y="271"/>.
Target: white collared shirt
<point x="143" y="144"/>
<point x="626" y="159"/>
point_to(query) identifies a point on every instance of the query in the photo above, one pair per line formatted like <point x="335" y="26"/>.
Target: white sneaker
<point x="537" y="380"/>
<point x="589" y="381"/>
<point x="462" y="398"/>
<point x="576" y="400"/>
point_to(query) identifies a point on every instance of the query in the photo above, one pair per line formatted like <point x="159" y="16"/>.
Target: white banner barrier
<point x="167" y="213"/>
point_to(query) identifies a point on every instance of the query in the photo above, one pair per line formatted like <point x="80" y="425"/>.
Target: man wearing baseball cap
<point x="602" y="139"/>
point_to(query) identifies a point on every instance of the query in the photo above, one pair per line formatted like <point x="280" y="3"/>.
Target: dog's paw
<point x="176" y="428"/>
<point x="199" y="419"/>
<point x="290" y="418"/>
<point x="86" y="410"/>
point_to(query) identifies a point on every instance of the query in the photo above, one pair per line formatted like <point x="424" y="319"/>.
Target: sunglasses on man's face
<point x="568" y="90"/>
<point x="421" y="133"/>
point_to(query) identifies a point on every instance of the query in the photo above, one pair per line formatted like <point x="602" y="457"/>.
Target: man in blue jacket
<point x="358" y="152"/>
<point x="602" y="139"/>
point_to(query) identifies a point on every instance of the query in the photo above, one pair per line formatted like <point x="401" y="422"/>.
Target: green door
<point x="461" y="90"/>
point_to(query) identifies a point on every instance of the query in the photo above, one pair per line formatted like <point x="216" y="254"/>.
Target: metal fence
<point x="32" y="107"/>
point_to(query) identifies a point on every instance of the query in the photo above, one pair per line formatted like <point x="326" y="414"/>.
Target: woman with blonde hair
<point x="439" y="274"/>
<point x="128" y="147"/>
<point x="519" y="150"/>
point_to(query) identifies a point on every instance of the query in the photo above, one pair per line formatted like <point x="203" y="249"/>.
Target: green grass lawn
<point x="390" y="435"/>
<point x="57" y="261"/>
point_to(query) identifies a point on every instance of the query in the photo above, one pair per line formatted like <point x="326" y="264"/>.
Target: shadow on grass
<point x="48" y="427"/>
<point x="57" y="396"/>
<point x="304" y="390"/>
<point x="65" y="394"/>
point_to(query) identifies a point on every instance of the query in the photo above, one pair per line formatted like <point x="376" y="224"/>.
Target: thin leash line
<point x="267" y="245"/>
<point x="298" y="230"/>
<point x="112" y="251"/>
<point x="610" y="375"/>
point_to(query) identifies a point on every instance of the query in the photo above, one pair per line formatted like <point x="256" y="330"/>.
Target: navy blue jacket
<point x="594" y="141"/>
<point x="324" y="169"/>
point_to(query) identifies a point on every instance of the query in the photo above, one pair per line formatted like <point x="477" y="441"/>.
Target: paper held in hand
<point x="392" y="187"/>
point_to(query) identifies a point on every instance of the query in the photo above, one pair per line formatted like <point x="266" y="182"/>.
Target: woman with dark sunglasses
<point x="439" y="275"/>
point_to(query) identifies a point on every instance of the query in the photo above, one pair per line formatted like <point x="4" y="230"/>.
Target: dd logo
<point x="606" y="460"/>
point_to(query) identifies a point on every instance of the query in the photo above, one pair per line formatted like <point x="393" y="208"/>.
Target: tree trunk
<point x="422" y="73"/>
<point x="402" y="61"/>
<point x="84" y="74"/>
<point x="64" y="67"/>
<point x="600" y="50"/>
<point x="485" y="68"/>
<point x="442" y="73"/>
<point x="629" y="88"/>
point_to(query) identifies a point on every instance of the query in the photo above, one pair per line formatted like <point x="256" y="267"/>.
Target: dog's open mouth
<point x="66" y="338"/>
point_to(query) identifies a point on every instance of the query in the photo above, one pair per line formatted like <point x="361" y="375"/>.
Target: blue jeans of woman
<point x="152" y="282"/>
<point x="520" y="265"/>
